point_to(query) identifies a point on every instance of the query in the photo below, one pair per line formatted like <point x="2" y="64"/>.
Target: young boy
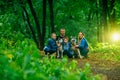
<point x="67" y="48"/>
<point x="51" y="46"/>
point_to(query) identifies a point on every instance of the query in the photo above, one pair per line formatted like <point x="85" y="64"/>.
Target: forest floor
<point x="107" y="69"/>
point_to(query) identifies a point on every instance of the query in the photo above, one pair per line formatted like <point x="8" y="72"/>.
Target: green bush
<point x="22" y="60"/>
<point x="108" y="51"/>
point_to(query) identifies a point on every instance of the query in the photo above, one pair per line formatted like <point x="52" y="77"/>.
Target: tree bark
<point x="37" y="24"/>
<point x="99" y="37"/>
<point x="51" y="15"/>
<point x="43" y="23"/>
<point x="104" y="19"/>
<point x="24" y="18"/>
<point x="30" y="26"/>
<point x="101" y="21"/>
<point x="112" y="15"/>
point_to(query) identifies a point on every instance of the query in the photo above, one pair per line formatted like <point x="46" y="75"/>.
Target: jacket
<point x="83" y="44"/>
<point x="51" y="46"/>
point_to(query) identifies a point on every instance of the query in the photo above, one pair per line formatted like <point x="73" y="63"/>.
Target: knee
<point x="46" y="49"/>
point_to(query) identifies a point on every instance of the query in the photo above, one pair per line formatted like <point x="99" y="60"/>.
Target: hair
<point x="53" y="33"/>
<point x="62" y="29"/>
<point x="82" y="33"/>
<point x="78" y="36"/>
<point x="66" y="37"/>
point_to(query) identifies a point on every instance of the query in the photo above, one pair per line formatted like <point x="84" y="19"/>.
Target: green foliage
<point x="19" y="56"/>
<point x="73" y="16"/>
<point x="108" y="51"/>
<point x="21" y="60"/>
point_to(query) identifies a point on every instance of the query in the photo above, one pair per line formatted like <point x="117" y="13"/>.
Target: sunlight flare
<point x="116" y="37"/>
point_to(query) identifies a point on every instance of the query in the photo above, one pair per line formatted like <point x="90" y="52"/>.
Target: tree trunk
<point x="44" y="23"/>
<point x="51" y="15"/>
<point x="30" y="26"/>
<point x="112" y="15"/>
<point x="104" y="19"/>
<point x="24" y="18"/>
<point x="37" y="24"/>
<point x="98" y="22"/>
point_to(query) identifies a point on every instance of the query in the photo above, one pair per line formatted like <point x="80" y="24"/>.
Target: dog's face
<point x="73" y="40"/>
<point x="59" y="41"/>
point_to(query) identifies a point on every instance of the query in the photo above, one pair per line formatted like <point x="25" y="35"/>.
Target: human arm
<point x="82" y="44"/>
<point x="52" y="44"/>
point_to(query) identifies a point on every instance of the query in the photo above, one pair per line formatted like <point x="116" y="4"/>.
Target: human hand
<point x="58" y="45"/>
<point x="76" y="46"/>
<point x="88" y="48"/>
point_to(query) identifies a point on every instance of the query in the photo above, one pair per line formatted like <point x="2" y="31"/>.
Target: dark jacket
<point x="51" y="46"/>
<point x="60" y="37"/>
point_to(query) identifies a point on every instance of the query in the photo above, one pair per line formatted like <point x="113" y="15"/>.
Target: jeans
<point x="84" y="52"/>
<point x="68" y="53"/>
<point x="48" y="50"/>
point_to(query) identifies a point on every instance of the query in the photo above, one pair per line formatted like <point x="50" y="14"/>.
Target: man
<point x="83" y="45"/>
<point x="62" y="34"/>
<point x="51" y="46"/>
<point x="60" y="40"/>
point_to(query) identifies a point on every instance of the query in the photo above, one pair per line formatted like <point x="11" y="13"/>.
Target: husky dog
<point x="76" y="51"/>
<point x="59" y="53"/>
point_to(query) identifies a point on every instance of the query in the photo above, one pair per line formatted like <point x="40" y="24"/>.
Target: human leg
<point x="70" y="54"/>
<point x="84" y="53"/>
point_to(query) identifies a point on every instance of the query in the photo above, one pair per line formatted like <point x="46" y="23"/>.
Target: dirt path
<point x="109" y="70"/>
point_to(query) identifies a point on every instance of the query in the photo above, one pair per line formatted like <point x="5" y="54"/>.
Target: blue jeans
<point x="48" y="50"/>
<point x="68" y="53"/>
<point x="84" y="52"/>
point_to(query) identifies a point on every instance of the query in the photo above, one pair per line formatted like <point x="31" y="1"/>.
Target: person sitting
<point x="60" y="40"/>
<point x="67" y="48"/>
<point x="62" y="35"/>
<point x="51" y="46"/>
<point x="82" y="45"/>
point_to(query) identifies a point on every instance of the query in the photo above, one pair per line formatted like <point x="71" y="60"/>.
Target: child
<point x="51" y="46"/>
<point x="67" y="48"/>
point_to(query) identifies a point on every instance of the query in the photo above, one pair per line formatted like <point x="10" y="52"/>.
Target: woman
<point x="82" y="45"/>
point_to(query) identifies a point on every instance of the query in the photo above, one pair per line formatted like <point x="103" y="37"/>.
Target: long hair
<point x="79" y="37"/>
